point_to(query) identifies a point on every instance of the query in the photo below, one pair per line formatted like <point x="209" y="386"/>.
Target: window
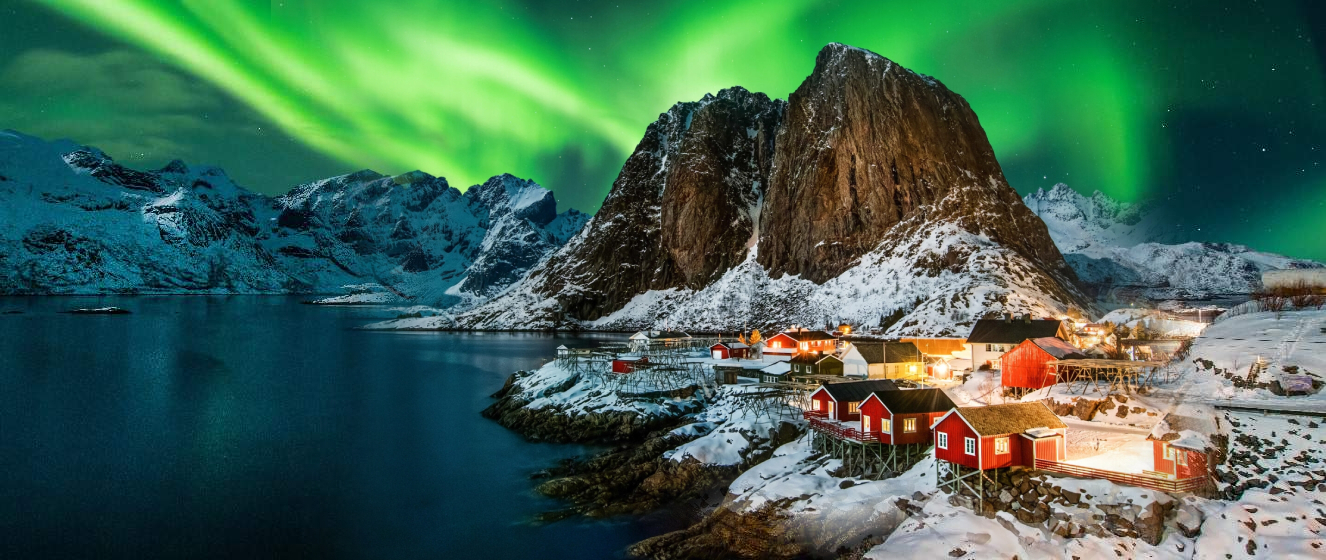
<point x="815" y="405"/>
<point x="886" y="425"/>
<point x="805" y="346"/>
<point x="969" y="446"/>
<point x="852" y="407"/>
<point x="1001" y="446"/>
<point x="865" y="423"/>
<point x="1169" y="451"/>
<point x="908" y="425"/>
<point x="943" y="440"/>
<point x="1182" y="457"/>
<point x="989" y="348"/>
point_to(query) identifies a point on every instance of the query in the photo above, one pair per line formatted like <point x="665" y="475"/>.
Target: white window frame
<point x="853" y="407"/>
<point x="1168" y="452"/>
<point x="886" y="425"/>
<point x="969" y="446"/>
<point x="1001" y="443"/>
<point x="908" y="425"/>
<point x="1181" y="457"/>
<point x="942" y="443"/>
<point x="815" y="404"/>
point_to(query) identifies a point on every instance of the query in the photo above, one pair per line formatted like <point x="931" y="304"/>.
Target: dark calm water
<point x="255" y="427"/>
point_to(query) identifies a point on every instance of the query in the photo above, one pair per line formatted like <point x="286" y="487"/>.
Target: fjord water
<point x="256" y="427"/>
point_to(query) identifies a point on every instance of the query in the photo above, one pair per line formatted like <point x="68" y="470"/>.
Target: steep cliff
<point x="871" y="196"/>
<point x="682" y="211"/>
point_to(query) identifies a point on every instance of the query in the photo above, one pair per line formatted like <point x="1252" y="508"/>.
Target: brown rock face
<point x="680" y="211"/>
<point x="867" y="145"/>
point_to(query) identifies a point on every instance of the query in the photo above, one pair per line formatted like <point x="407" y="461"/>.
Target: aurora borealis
<point x="1217" y="112"/>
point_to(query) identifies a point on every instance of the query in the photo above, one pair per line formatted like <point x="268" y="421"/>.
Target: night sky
<point x="1216" y="111"/>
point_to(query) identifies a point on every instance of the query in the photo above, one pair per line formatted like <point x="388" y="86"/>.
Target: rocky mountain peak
<point x="867" y="146"/>
<point x="506" y="193"/>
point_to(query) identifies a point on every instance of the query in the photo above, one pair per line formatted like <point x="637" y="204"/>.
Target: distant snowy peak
<point x="1123" y="250"/>
<point x="91" y="225"/>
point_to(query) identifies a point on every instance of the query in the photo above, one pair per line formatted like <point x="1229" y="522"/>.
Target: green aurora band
<point x="1087" y="93"/>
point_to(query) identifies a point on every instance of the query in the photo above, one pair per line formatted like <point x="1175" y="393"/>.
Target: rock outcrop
<point x="869" y="150"/>
<point x="872" y="192"/>
<point x="681" y="211"/>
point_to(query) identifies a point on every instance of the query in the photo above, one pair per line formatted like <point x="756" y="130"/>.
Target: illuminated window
<point x="815" y="405"/>
<point x="969" y="446"/>
<point x="1001" y="446"/>
<point x="943" y="440"/>
<point x="804" y="346"/>
<point x="908" y="425"/>
<point x="886" y="426"/>
<point x="852" y="407"/>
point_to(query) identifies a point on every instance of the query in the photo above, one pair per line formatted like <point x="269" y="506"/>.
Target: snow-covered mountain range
<point x="1120" y="249"/>
<point x="77" y="222"/>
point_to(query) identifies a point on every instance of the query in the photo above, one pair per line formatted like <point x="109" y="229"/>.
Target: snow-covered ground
<point x="1288" y="341"/>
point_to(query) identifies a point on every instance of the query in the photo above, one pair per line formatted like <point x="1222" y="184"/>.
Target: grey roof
<point x="1058" y="348"/>
<point x="579" y="344"/>
<point x="813" y="358"/>
<point x="888" y="352"/>
<point x="857" y="391"/>
<point x="1013" y="331"/>
<point x="731" y="345"/>
<point x="915" y="401"/>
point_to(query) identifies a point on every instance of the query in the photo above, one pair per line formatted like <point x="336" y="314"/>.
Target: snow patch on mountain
<point x="937" y="283"/>
<point x="1118" y="247"/>
<point x="77" y="222"/>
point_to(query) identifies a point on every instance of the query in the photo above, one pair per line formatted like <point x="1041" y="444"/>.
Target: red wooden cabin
<point x="1179" y="444"/>
<point x="903" y="416"/>
<point x="840" y="401"/>
<point x="729" y="350"/>
<point x="1001" y="435"/>
<point x="1027" y="365"/>
<point x="799" y="341"/>
<point x="628" y="365"/>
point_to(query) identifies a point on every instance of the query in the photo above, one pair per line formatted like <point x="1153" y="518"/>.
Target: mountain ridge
<point x="82" y="223"/>
<point x="1123" y="249"/>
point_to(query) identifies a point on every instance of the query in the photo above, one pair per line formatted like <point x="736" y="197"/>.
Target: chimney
<point x="1026" y="318"/>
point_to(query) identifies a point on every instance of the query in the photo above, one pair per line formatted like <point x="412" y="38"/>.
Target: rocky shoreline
<point x="638" y="476"/>
<point x="558" y="425"/>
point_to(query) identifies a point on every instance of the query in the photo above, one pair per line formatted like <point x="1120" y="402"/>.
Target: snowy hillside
<point x="77" y="222"/>
<point x="1114" y="246"/>
<point x="936" y="284"/>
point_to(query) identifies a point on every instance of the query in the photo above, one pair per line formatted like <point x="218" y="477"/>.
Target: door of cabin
<point x="831" y="414"/>
<point x="718" y="354"/>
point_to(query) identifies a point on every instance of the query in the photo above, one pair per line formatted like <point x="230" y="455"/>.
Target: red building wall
<point x="723" y="351"/>
<point x="780" y="344"/>
<point x="822" y="397"/>
<point x="1026" y="366"/>
<point x="992" y="460"/>
<point x="956" y="429"/>
<point x="1196" y="460"/>
<point x="877" y="413"/>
